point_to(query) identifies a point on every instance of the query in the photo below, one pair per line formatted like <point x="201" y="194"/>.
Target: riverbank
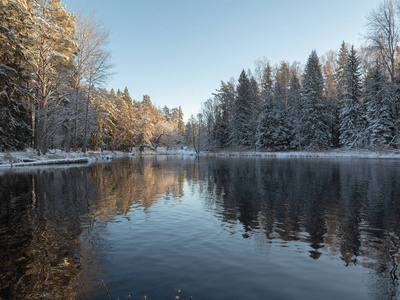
<point x="307" y="154"/>
<point x="29" y="157"/>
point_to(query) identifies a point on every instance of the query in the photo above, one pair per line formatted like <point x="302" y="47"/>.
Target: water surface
<point x="216" y="228"/>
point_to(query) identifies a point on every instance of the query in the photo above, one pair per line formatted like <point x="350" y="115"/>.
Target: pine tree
<point x="50" y="57"/>
<point x="15" y="23"/>
<point x="377" y="104"/>
<point x="145" y="123"/>
<point x="315" y="131"/>
<point x="351" y="123"/>
<point x="125" y="95"/>
<point x="167" y="113"/>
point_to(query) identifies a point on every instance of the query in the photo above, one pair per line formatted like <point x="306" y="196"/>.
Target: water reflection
<point x="38" y="231"/>
<point x="53" y="221"/>
<point x="128" y="184"/>
<point x="347" y="209"/>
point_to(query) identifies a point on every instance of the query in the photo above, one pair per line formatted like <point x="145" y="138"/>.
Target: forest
<point x="54" y="65"/>
<point x="345" y="99"/>
<point x="53" y="68"/>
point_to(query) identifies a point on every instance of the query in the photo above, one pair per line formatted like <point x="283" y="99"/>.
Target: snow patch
<point x="29" y="157"/>
<point x="309" y="154"/>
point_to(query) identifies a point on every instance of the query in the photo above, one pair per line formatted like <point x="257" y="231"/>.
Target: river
<point x="215" y="228"/>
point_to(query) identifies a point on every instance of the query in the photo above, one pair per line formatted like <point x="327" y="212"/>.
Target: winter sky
<point x="178" y="51"/>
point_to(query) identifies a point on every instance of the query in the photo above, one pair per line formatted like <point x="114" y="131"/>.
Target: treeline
<point x="122" y="123"/>
<point x="349" y="99"/>
<point x="53" y="66"/>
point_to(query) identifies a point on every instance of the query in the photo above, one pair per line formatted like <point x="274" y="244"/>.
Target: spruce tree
<point x="279" y="131"/>
<point x="283" y="76"/>
<point x="315" y="132"/>
<point x="255" y="103"/>
<point x="331" y="100"/>
<point x="377" y="103"/>
<point x="225" y="98"/>
<point x="263" y="136"/>
<point x="272" y="131"/>
<point x="351" y="124"/>
<point x="341" y="70"/>
<point x="241" y="126"/>
<point x="293" y="118"/>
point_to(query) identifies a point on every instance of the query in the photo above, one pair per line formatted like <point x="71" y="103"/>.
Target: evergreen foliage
<point x="315" y="132"/>
<point x="351" y="122"/>
<point x="53" y="65"/>
<point x="263" y="125"/>
<point x="341" y="70"/>
<point x="15" y="130"/>
<point x="241" y="134"/>
<point x="225" y="98"/>
<point x="377" y="103"/>
<point x="294" y="109"/>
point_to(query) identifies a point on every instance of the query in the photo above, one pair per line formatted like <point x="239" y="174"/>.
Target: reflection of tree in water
<point x="121" y="188"/>
<point x="138" y="182"/>
<point x="39" y="230"/>
<point x="51" y="222"/>
<point x="346" y="209"/>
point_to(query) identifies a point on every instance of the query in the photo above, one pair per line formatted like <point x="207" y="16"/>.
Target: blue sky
<point x="178" y="51"/>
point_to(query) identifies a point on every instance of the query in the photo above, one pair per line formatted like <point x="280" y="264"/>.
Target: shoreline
<point x="29" y="158"/>
<point x="308" y="154"/>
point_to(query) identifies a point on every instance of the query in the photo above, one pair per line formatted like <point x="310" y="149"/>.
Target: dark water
<point x="215" y="228"/>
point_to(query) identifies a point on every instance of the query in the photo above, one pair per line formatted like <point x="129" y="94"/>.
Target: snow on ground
<point x="310" y="154"/>
<point x="165" y="151"/>
<point x="29" y="157"/>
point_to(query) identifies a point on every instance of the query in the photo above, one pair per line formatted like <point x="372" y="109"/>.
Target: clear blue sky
<point x="178" y="51"/>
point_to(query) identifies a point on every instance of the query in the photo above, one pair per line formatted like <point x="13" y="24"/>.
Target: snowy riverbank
<point x="29" y="157"/>
<point x="57" y="157"/>
<point x="309" y="154"/>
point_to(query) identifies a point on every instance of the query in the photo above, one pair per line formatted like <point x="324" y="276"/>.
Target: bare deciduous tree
<point x="384" y="37"/>
<point x="93" y="68"/>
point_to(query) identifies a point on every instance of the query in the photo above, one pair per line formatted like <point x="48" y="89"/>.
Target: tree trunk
<point x="84" y="147"/>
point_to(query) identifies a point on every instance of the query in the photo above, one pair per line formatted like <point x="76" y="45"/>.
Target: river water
<point x="215" y="228"/>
